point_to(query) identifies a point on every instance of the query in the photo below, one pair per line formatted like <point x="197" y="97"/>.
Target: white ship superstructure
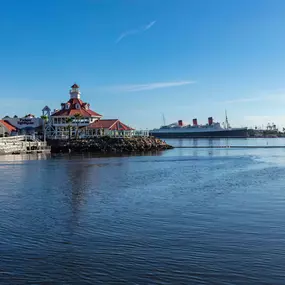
<point x="211" y="129"/>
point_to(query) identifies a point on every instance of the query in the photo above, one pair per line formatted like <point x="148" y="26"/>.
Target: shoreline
<point x="108" y="145"/>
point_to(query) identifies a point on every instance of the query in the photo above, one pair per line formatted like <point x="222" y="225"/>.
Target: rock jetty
<point x="109" y="145"/>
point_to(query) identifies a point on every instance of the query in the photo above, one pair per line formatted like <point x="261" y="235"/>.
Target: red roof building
<point x="111" y="125"/>
<point x="75" y="118"/>
<point x="75" y="106"/>
<point x="6" y="128"/>
<point x="74" y="113"/>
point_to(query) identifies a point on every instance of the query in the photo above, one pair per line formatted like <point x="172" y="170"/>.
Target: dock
<point x="22" y="145"/>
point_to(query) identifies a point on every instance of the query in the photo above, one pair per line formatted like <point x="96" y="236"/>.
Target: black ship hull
<point x="236" y="133"/>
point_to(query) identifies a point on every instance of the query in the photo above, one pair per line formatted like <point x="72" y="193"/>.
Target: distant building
<point x="21" y="126"/>
<point x="6" y="129"/>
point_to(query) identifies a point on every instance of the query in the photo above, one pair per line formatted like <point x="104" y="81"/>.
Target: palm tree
<point x="69" y="121"/>
<point x="77" y="117"/>
<point x="45" y="119"/>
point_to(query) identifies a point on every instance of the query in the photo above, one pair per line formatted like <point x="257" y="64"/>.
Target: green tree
<point x="69" y="121"/>
<point x="45" y="119"/>
<point x="77" y="118"/>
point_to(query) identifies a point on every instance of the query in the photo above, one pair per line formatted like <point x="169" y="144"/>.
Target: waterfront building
<point x="73" y="115"/>
<point x="27" y="125"/>
<point x="6" y="129"/>
<point x="75" y="118"/>
<point x="111" y="127"/>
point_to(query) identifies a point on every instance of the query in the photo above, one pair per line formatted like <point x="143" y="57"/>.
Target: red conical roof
<point x="74" y="86"/>
<point x="73" y="109"/>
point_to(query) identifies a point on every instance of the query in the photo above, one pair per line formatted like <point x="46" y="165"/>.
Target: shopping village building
<point x="74" y="118"/>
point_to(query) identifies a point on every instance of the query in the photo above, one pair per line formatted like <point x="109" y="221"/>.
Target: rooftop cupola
<point x="74" y="92"/>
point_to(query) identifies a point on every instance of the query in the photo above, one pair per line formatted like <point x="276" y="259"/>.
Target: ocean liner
<point x="210" y="130"/>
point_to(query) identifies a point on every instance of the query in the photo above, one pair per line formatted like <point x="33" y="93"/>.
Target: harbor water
<point x="183" y="216"/>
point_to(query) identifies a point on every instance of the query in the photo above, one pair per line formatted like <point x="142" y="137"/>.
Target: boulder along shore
<point x="108" y="145"/>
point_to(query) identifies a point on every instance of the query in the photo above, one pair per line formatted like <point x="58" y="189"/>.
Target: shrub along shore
<point x="108" y="145"/>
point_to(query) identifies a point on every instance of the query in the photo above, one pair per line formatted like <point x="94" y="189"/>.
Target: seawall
<point x="22" y="145"/>
<point x="108" y="145"/>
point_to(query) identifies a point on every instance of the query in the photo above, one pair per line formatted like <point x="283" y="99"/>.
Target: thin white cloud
<point x="135" y="31"/>
<point x="148" y="86"/>
<point x="145" y="28"/>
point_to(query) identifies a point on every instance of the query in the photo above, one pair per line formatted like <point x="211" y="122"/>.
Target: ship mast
<point x="227" y="121"/>
<point x="163" y="119"/>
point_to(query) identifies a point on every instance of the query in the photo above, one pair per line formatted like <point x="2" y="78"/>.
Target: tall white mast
<point x="163" y="119"/>
<point x="227" y="121"/>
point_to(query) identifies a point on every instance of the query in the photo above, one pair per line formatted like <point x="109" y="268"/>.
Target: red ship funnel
<point x="195" y="122"/>
<point x="180" y="123"/>
<point x="210" y="121"/>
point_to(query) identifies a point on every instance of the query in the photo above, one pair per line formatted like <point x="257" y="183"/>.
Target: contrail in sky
<point x="135" y="31"/>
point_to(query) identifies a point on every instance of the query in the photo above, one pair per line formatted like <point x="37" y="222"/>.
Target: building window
<point x="77" y="106"/>
<point x="66" y="106"/>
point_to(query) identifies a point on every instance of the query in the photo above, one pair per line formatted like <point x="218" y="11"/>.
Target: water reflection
<point x="77" y="179"/>
<point x="176" y="218"/>
<point x="227" y="142"/>
<point x="12" y="158"/>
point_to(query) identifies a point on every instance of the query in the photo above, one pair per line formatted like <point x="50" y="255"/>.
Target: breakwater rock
<point x="108" y="144"/>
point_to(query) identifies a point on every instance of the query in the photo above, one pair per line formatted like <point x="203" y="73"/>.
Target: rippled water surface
<point x="185" y="216"/>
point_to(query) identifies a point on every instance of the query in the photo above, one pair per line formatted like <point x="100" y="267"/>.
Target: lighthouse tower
<point x="74" y="92"/>
<point x="64" y="121"/>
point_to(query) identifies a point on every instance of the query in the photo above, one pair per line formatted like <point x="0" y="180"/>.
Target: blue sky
<point x="135" y="60"/>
